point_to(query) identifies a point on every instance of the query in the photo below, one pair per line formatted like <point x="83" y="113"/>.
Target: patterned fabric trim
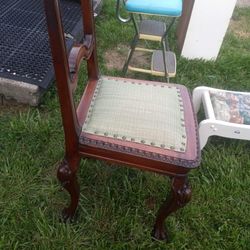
<point x="231" y="107"/>
<point x="143" y="153"/>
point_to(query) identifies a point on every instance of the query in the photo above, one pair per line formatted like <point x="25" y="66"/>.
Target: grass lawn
<point x="118" y="205"/>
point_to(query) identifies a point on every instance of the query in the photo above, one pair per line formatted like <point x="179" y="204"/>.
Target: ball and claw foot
<point x="159" y="234"/>
<point x="180" y="196"/>
<point x="68" y="180"/>
<point x="67" y="216"/>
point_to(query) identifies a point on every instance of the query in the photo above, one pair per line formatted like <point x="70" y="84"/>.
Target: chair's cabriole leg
<point x="180" y="196"/>
<point x="66" y="174"/>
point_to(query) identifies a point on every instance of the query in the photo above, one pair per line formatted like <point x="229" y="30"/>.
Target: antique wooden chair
<point x="142" y="124"/>
<point x="163" y="61"/>
<point x="227" y="113"/>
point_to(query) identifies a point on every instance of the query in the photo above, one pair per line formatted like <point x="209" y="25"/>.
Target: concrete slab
<point x="25" y="66"/>
<point x="21" y="92"/>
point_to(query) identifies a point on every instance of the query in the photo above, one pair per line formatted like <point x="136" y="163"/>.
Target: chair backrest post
<point x="89" y="29"/>
<point x="60" y="61"/>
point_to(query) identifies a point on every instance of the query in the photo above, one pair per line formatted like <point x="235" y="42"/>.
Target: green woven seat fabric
<point x="138" y="112"/>
<point x="231" y="107"/>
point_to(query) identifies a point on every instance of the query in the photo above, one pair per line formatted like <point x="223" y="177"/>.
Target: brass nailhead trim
<point x="180" y="100"/>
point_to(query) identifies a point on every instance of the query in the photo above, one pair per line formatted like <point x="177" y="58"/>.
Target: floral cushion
<point x="231" y="107"/>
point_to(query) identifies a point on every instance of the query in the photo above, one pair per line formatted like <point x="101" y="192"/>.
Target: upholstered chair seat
<point x="128" y="115"/>
<point x="231" y="106"/>
<point x="227" y="113"/>
<point x="157" y="7"/>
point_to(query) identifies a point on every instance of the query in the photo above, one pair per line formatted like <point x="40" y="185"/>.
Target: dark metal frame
<point x="164" y="39"/>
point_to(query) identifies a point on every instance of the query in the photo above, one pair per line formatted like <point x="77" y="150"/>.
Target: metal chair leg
<point x="167" y="43"/>
<point x="131" y="52"/>
<point x="165" y="59"/>
<point x="165" y="36"/>
<point x="165" y="47"/>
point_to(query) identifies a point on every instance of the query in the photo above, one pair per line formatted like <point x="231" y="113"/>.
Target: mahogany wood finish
<point x="78" y="144"/>
<point x="76" y="55"/>
<point x="180" y="196"/>
<point x="68" y="179"/>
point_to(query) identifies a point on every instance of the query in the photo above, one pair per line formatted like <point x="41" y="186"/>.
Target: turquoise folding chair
<point x="163" y="62"/>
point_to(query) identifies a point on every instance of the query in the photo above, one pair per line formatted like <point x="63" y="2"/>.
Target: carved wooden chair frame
<point x="174" y="164"/>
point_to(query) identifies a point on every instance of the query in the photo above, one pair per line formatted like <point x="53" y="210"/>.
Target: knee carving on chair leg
<point x="68" y="180"/>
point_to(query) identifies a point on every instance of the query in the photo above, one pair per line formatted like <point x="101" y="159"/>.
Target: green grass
<point x="118" y="205"/>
